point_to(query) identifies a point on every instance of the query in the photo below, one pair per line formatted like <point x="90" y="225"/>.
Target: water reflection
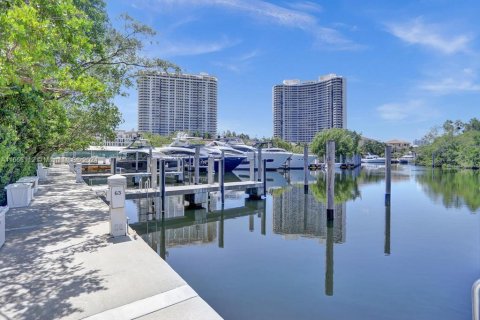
<point x="454" y="189"/>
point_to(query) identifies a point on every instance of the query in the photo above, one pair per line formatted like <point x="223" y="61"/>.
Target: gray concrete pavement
<point x="59" y="263"/>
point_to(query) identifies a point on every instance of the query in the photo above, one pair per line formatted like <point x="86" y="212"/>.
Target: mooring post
<point x="210" y="170"/>
<point x="221" y="179"/>
<point x="116" y="194"/>
<point x="264" y="178"/>
<point x="251" y="222"/>
<point x="330" y="179"/>
<point x="197" y="165"/>
<point x="251" y="163"/>
<point x="154" y="172"/>
<point x="162" y="184"/>
<point x="433" y="159"/>
<point x="305" y="168"/>
<point x="78" y="172"/>
<point x="388" y="174"/>
<point x="136" y="161"/>
<point x="113" y="166"/>
<point x="259" y="163"/>
<point x="386" y="249"/>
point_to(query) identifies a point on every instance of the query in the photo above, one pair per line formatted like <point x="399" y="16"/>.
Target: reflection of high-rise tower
<point x="295" y="213"/>
<point x="174" y="207"/>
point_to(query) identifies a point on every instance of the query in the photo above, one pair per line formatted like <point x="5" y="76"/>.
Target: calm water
<point x="279" y="258"/>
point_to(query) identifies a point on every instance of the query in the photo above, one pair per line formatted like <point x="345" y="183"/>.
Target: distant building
<point x="123" y="138"/>
<point x="398" y="145"/>
<point x="301" y="109"/>
<point x="168" y="103"/>
<point x="419" y="142"/>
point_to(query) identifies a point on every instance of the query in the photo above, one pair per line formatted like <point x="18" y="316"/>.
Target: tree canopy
<point x="61" y="65"/>
<point x="458" y="146"/>
<point x="346" y="142"/>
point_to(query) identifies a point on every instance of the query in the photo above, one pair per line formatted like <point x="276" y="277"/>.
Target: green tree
<point x="372" y="146"/>
<point x="346" y="142"/>
<point x="61" y="64"/>
<point x="453" y="149"/>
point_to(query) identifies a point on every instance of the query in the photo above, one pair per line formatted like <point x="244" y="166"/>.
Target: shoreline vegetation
<point x="456" y="145"/>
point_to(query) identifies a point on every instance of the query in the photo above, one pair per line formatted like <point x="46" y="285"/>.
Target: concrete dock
<point x="59" y="262"/>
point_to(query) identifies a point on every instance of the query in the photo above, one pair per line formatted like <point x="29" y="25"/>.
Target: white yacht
<point x="373" y="158"/>
<point x="274" y="159"/>
<point x="406" y="159"/>
<point x="296" y="161"/>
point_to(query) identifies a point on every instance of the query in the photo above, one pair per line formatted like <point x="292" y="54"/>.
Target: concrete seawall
<point x="58" y="262"/>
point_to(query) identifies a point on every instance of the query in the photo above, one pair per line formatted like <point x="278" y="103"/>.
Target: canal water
<point x="279" y="258"/>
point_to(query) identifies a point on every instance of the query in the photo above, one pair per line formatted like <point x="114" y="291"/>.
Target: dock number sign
<point x="118" y="197"/>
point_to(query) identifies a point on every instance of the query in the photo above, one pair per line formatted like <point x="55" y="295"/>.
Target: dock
<point x="59" y="262"/>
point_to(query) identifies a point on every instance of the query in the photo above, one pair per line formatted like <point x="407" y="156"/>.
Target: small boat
<point x="372" y="158"/>
<point x="406" y="159"/>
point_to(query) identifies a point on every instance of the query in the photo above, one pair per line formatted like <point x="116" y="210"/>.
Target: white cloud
<point x="189" y="48"/>
<point x="432" y="36"/>
<point x="411" y="111"/>
<point x="240" y="63"/>
<point x="464" y="80"/>
<point x="268" y="12"/>
<point x="306" y="6"/>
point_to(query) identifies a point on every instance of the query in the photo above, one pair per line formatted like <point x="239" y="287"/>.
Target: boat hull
<point x="274" y="161"/>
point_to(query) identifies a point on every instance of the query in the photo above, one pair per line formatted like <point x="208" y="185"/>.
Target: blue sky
<point x="410" y="65"/>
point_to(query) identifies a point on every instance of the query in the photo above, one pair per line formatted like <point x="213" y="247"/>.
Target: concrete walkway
<point x="58" y="262"/>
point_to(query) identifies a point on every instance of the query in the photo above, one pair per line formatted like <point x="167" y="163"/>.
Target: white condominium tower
<point x="170" y="102"/>
<point x="301" y="109"/>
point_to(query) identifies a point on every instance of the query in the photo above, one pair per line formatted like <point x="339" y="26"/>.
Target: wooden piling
<point x="388" y="174"/>
<point x="305" y="168"/>
<point x="264" y="178"/>
<point x="251" y="163"/>
<point x="221" y="179"/>
<point x="162" y="184"/>
<point x="259" y="163"/>
<point x="210" y="170"/>
<point x="113" y="166"/>
<point x="197" y="165"/>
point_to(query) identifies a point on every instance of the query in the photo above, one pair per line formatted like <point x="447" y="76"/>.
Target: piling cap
<point x="117" y="180"/>
<point x="21" y="185"/>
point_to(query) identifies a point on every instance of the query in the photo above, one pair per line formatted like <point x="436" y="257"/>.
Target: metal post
<point x="264" y="178"/>
<point x="259" y="163"/>
<point x="162" y="184"/>
<point x="221" y="176"/>
<point x="388" y="174"/>
<point x="251" y="163"/>
<point x="330" y="178"/>
<point x="113" y="165"/>
<point x="305" y="169"/>
<point x="210" y="170"/>
<point x="197" y="165"/>
<point x="476" y="300"/>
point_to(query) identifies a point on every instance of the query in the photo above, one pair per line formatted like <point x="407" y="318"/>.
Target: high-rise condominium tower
<point x="177" y="102"/>
<point x="301" y="109"/>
